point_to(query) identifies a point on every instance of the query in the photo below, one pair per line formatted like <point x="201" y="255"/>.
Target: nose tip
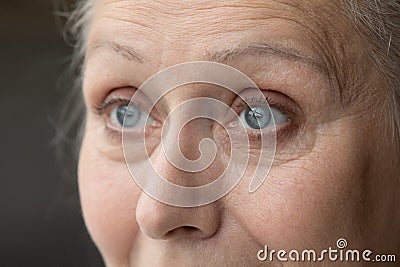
<point x="161" y="221"/>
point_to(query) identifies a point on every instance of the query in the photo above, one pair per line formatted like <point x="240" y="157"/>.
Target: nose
<point x="158" y="220"/>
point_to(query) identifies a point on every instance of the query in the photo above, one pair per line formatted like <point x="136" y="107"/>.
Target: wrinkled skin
<point x="333" y="175"/>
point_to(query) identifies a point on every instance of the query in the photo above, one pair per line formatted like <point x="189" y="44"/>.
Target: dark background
<point x="40" y="220"/>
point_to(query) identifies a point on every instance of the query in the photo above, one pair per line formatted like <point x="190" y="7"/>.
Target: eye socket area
<point x="254" y="112"/>
<point x="260" y="109"/>
<point x="119" y="111"/>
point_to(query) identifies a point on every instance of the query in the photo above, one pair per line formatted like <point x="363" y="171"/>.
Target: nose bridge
<point x="169" y="158"/>
<point x="187" y="137"/>
<point x="191" y="134"/>
<point x="189" y="127"/>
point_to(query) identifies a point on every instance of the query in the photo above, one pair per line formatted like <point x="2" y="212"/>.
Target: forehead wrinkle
<point x="187" y="20"/>
<point x="155" y="12"/>
<point x="180" y="7"/>
<point x="154" y="15"/>
<point x="188" y="15"/>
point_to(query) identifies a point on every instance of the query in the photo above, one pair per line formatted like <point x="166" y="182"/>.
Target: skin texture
<point x="333" y="175"/>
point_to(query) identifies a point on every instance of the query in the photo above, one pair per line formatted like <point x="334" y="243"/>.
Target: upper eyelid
<point x="259" y="100"/>
<point x="100" y="109"/>
<point x="263" y="100"/>
<point x="113" y="100"/>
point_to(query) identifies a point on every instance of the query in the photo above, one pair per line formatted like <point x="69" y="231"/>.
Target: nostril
<point x="162" y="222"/>
<point x="190" y="229"/>
<point x="186" y="231"/>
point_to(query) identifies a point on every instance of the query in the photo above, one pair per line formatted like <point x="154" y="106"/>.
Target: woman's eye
<point x="260" y="117"/>
<point x="129" y="116"/>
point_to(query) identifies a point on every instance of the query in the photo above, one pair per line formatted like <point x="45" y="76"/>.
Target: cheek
<point x="308" y="202"/>
<point x="108" y="197"/>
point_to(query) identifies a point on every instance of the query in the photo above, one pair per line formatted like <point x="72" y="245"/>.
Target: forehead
<point x="193" y="13"/>
<point x="188" y="24"/>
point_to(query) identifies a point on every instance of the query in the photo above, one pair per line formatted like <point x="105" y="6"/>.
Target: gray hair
<point x="75" y="22"/>
<point x="377" y="22"/>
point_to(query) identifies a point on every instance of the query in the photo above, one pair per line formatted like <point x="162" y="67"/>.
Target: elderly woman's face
<point x="308" y="63"/>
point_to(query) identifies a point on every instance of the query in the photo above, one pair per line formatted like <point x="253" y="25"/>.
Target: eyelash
<point x="101" y="109"/>
<point x="263" y="101"/>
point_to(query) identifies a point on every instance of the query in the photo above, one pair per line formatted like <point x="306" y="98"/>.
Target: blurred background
<point x="40" y="220"/>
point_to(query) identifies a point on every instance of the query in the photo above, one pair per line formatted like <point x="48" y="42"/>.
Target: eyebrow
<point x="264" y="49"/>
<point x="222" y="56"/>
<point x="127" y="52"/>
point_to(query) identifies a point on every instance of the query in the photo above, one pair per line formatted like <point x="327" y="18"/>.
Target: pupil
<point x="257" y="117"/>
<point x="130" y="114"/>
